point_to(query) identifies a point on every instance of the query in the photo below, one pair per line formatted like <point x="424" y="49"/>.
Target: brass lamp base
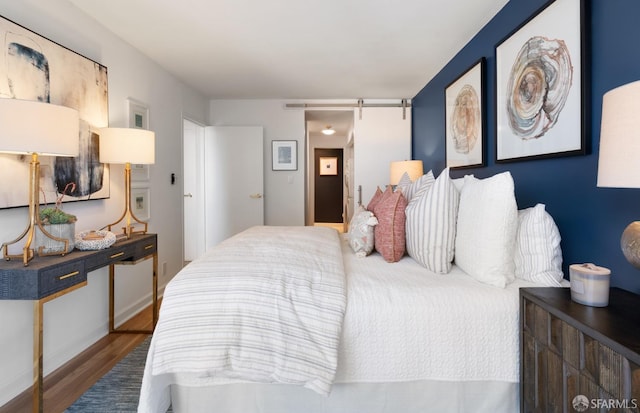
<point x="34" y="221"/>
<point x="128" y="216"/>
<point x="630" y="243"/>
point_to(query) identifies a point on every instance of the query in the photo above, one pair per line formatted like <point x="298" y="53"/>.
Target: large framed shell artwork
<point x="33" y="67"/>
<point x="541" y="86"/>
<point x="464" y="119"/>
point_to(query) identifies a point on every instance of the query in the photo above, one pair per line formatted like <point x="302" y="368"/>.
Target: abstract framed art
<point x="465" y="118"/>
<point x="541" y="86"/>
<point x="33" y="67"/>
<point x="284" y="155"/>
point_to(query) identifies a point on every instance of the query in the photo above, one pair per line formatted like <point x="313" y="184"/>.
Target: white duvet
<point x="266" y="305"/>
<point x="401" y="323"/>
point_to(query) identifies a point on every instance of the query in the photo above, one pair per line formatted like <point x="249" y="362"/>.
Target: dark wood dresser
<point x="569" y="350"/>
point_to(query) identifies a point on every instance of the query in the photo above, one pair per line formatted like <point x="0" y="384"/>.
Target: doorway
<point x="328" y="186"/>
<point x="341" y="121"/>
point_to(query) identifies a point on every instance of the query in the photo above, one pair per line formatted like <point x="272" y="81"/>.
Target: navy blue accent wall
<point x="590" y="219"/>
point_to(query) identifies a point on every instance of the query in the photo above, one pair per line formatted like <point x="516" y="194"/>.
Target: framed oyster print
<point x="464" y="119"/>
<point x="540" y="86"/>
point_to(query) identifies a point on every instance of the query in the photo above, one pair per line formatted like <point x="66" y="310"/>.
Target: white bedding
<point x="266" y="305"/>
<point x="403" y="324"/>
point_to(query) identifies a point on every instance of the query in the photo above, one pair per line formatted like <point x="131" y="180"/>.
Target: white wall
<point x="75" y="321"/>
<point x="380" y="137"/>
<point x="283" y="190"/>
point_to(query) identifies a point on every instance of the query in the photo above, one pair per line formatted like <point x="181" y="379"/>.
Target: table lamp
<point x="618" y="163"/>
<point x="398" y="168"/>
<point x="36" y="128"/>
<point x="127" y="146"/>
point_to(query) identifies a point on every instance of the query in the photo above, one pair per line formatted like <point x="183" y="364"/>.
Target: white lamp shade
<point x="619" y="158"/>
<point x="398" y="168"/>
<point x="127" y="145"/>
<point x="29" y="126"/>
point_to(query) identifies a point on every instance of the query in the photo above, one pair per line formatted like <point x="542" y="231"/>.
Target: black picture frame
<point x="465" y="118"/>
<point x="542" y="85"/>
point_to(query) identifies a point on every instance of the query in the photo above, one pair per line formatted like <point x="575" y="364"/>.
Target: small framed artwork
<point x="138" y="118"/>
<point x="464" y="118"/>
<point x="138" y="114"/>
<point x="541" y="86"/>
<point x="140" y="202"/>
<point x="328" y="166"/>
<point x="284" y="155"/>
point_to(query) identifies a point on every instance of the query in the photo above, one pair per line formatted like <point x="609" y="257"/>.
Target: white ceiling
<point x="297" y="49"/>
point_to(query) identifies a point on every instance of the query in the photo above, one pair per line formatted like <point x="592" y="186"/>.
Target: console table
<point x="49" y="277"/>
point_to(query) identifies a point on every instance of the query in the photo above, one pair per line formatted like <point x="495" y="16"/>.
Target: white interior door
<point x="234" y="184"/>
<point x="194" y="209"/>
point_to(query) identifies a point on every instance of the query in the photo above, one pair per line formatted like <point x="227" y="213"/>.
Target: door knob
<point x="255" y="196"/>
<point x="189" y="195"/>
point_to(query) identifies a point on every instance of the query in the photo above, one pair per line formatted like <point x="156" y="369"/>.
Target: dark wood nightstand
<point x="569" y="349"/>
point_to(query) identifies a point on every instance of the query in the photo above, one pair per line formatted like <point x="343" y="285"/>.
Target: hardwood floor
<point x="66" y="384"/>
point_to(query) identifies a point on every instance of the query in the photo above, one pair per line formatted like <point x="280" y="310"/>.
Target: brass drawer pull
<point x="117" y="255"/>
<point x="148" y="247"/>
<point x="71" y="274"/>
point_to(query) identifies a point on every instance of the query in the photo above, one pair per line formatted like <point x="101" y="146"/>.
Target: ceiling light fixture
<point x="328" y="130"/>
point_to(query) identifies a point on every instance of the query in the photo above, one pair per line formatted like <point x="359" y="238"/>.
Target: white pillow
<point x="538" y="256"/>
<point x="431" y="223"/>
<point x="486" y="231"/>
<point x="360" y="233"/>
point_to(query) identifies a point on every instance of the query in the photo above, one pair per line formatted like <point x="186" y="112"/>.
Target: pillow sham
<point x="389" y="234"/>
<point x="360" y="235"/>
<point x="486" y="230"/>
<point x="538" y="256"/>
<point x="431" y="223"/>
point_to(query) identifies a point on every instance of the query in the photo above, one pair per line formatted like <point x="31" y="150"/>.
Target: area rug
<point x="117" y="391"/>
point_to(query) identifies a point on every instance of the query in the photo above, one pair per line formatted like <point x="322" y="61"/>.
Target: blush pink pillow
<point x="375" y="199"/>
<point x="389" y="234"/>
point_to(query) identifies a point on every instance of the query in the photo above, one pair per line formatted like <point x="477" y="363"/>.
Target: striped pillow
<point x="538" y="256"/>
<point x="404" y="184"/>
<point x="431" y="223"/>
<point x="389" y="235"/>
<point x="412" y="190"/>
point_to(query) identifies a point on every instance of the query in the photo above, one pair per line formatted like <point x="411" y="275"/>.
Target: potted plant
<point x="59" y="224"/>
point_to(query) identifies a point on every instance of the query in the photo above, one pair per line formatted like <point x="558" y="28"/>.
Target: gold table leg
<point x="37" y="357"/>
<point x="154" y="280"/>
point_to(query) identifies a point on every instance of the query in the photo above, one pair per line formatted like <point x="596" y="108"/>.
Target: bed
<point x="290" y="319"/>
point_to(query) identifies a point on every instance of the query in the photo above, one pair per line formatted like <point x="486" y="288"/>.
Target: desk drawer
<point x="61" y="277"/>
<point x="144" y="249"/>
<point x="110" y="255"/>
